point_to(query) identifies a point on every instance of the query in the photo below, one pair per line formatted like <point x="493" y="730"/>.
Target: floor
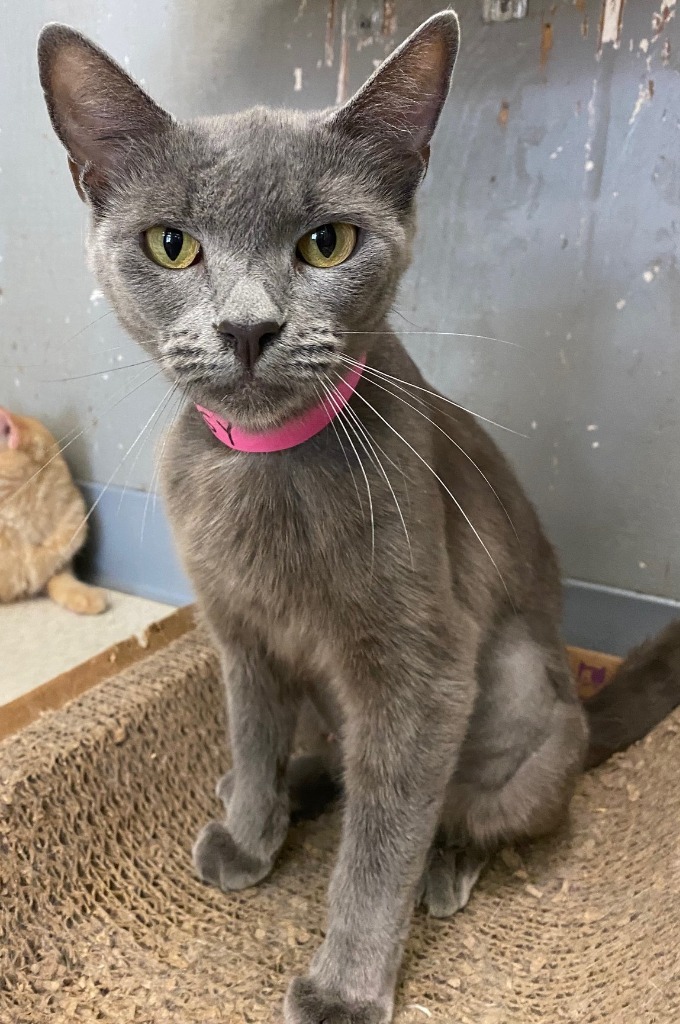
<point x="38" y="639"/>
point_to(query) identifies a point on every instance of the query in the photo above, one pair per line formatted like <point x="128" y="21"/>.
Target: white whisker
<point x="453" y="442"/>
<point x="120" y="397"/>
<point x="369" y="440"/>
<point x="65" y="341"/>
<point x="442" y="484"/>
<point x="161" y="405"/>
<point x="433" y="394"/>
<point x="437" y="334"/>
<point x="376" y="445"/>
<point x="159" y="458"/>
<point x="404" y="317"/>
<point x="110" y="479"/>
<point x="72" y="337"/>
<point x="361" y="466"/>
<point x="95" y="373"/>
<point x="349" y="465"/>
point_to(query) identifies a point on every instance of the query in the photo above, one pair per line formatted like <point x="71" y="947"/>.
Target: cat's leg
<point x="314" y="772"/>
<point x="76" y="596"/>
<point x="400" y="748"/>
<point x="523" y="752"/>
<point x="263" y="706"/>
<point x="313" y="781"/>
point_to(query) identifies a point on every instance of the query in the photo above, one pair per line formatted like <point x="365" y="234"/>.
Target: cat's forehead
<point x="266" y="164"/>
<point x="259" y="150"/>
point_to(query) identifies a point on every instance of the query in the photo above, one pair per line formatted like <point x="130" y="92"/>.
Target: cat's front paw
<point x="220" y="861"/>
<point x="307" y="1003"/>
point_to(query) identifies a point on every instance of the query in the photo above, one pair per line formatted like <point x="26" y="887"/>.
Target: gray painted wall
<point x="549" y="219"/>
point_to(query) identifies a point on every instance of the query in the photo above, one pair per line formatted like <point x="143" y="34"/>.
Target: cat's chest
<point x="259" y="532"/>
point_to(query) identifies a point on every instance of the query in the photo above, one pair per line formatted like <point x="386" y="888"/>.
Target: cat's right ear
<point x="98" y="112"/>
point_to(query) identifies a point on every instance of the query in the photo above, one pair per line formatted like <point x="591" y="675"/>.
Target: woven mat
<point x="102" y="920"/>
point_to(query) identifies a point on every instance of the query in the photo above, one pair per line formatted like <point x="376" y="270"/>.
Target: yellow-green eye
<point x="328" y="245"/>
<point x="171" y="248"/>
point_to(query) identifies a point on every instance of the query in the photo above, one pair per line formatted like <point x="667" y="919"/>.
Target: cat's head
<point x="25" y="447"/>
<point x="245" y="252"/>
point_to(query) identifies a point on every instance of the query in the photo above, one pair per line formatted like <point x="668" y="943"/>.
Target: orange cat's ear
<point x="401" y="102"/>
<point x="9" y="431"/>
<point x="99" y="113"/>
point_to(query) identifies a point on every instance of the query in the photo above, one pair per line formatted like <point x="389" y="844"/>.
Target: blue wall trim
<point x="120" y="556"/>
<point x="611" y="620"/>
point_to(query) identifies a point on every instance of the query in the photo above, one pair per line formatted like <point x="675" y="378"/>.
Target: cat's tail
<point x="645" y="689"/>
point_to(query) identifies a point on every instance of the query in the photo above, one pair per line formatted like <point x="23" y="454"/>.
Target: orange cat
<point x="42" y="519"/>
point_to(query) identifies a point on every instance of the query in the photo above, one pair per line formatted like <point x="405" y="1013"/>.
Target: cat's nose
<point x="249" y="340"/>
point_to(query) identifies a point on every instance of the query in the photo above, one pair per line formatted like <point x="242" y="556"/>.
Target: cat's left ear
<point x="99" y="113"/>
<point x="402" y="100"/>
<point x="9" y="431"/>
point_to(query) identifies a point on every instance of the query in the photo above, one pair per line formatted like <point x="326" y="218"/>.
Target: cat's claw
<point x="221" y="862"/>
<point x="306" y="1003"/>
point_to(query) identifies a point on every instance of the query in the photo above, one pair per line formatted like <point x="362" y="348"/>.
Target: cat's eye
<point x="171" y="248"/>
<point x="328" y="245"/>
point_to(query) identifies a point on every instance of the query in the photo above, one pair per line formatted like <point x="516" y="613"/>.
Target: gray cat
<point x="357" y="543"/>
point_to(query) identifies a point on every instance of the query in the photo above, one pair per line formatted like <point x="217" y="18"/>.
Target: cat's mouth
<point x="256" y="403"/>
<point x="256" y="394"/>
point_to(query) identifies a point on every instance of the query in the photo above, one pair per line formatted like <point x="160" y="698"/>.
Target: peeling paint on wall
<point x="329" y="46"/>
<point x="645" y="94"/>
<point x="503" y="10"/>
<point x="611" y="21"/>
<point x="661" y="18"/>
<point x="343" y="67"/>
<point x="546" y="42"/>
<point x="389" y="18"/>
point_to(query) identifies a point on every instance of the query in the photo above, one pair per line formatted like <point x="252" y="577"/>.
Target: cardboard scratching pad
<point x="102" y="919"/>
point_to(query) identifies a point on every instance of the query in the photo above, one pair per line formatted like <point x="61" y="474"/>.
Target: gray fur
<point x="437" y="660"/>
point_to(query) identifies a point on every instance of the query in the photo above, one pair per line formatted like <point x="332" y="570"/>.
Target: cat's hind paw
<point x="449" y="879"/>
<point x="76" y="596"/>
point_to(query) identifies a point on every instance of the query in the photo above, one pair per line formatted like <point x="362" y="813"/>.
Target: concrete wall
<point x="549" y="219"/>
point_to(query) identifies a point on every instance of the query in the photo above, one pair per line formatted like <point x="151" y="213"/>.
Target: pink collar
<point x="293" y="433"/>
